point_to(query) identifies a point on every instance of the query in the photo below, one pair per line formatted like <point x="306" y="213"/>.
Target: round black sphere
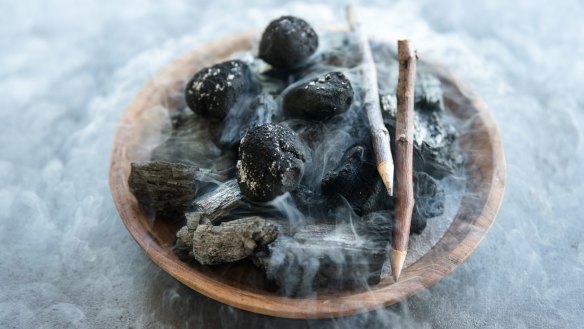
<point x="321" y="98"/>
<point x="271" y="162"/>
<point x="288" y="42"/>
<point x="214" y="90"/>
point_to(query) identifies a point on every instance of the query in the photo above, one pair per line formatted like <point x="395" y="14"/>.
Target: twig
<point x="404" y="132"/>
<point x="372" y="107"/>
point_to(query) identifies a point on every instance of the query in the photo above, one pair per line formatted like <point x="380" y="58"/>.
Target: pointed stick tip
<point x="385" y="169"/>
<point x="398" y="258"/>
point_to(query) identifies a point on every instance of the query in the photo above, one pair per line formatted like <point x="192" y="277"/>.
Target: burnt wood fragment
<point x="214" y="204"/>
<point x="355" y="178"/>
<point x="428" y="93"/>
<point x="167" y="189"/>
<point x="227" y="242"/>
<point x="434" y="137"/>
<point x="430" y="198"/>
<point x="192" y="141"/>
<point x="328" y="255"/>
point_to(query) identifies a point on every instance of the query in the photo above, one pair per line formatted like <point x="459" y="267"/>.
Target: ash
<point x="68" y="71"/>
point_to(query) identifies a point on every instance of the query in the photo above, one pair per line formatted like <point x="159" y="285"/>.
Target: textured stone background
<point x="68" y="70"/>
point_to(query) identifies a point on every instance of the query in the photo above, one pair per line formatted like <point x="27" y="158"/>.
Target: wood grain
<point x="240" y="284"/>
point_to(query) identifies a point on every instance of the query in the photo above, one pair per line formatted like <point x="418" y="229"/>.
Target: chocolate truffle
<point x="214" y="90"/>
<point x="288" y="42"/>
<point x="320" y="98"/>
<point x="271" y="162"/>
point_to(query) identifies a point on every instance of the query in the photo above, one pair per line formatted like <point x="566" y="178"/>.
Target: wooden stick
<point x="404" y="132"/>
<point x="372" y="107"/>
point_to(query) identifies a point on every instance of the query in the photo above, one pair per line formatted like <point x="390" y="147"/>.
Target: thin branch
<point x="404" y="132"/>
<point x="371" y="105"/>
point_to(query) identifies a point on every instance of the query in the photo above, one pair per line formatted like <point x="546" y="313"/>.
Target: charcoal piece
<point x="271" y="162"/>
<point x="191" y="141"/>
<point x="320" y="98"/>
<point x="327" y="256"/>
<point x="167" y="189"/>
<point x="428" y="93"/>
<point x="288" y="42"/>
<point x="304" y="198"/>
<point x="429" y="201"/>
<point x="260" y="111"/>
<point x="355" y="178"/>
<point x="213" y="205"/>
<point x="434" y="145"/>
<point x="429" y="194"/>
<point x="434" y="151"/>
<point x="183" y="245"/>
<point x="213" y="91"/>
<point x="230" y="241"/>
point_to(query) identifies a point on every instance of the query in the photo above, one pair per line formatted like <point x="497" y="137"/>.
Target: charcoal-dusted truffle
<point x="288" y="42"/>
<point x="214" y="90"/>
<point x="271" y="162"/>
<point x="320" y="98"/>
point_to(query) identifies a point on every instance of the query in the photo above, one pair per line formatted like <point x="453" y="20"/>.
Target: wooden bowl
<point x="240" y="284"/>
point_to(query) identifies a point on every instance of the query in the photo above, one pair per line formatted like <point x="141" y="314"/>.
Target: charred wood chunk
<point x="429" y="201"/>
<point x="327" y="256"/>
<point x="166" y="189"/>
<point x="428" y="93"/>
<point x="288" y="42"/>
<point x="355" y="178"/>
<point x="214" y="204"/>
<point x="227" y="242"/>
<point x="191" y="141"/>
<point x="183" y="245"/>
<point x="320" y="98"/>
<point x="434" y="137"/>
<point x="434" y="145"/>
<point x="214" y="90"/>
<point x="260" y="111"/>
<point x="271" y="162"/>
<point x="304" y="198"/>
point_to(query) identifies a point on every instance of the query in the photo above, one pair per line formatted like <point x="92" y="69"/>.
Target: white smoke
<point x="68" y="70"/>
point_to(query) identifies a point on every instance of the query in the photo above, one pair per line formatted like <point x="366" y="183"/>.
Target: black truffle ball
<point x="214" y="90"/>
<point x="288" y="42"/>
<point x="321" y="98"/>
<point x="271" y="162"/>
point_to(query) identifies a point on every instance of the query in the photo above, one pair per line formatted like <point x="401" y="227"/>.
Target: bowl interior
<point x="240" y="284"/>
